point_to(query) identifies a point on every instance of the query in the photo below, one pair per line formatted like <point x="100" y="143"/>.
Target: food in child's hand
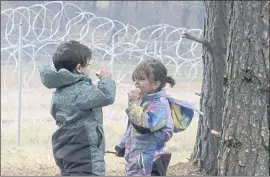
<point x="138" y="90"/>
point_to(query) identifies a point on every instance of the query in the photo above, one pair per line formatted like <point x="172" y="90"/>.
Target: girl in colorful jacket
<point x="150" y="123"/>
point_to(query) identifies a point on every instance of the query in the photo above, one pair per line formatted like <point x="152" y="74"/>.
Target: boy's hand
<point x="134" y="95"/>
<point x="104" y="73"/>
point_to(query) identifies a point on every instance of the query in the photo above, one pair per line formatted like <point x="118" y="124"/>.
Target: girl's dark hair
<point x="69" y="54"/>
<point x="156" y="71"/>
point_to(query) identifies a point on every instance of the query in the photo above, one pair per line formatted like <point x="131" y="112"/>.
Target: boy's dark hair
<point x="156" y="71"/>
<point x="69" y="54"/>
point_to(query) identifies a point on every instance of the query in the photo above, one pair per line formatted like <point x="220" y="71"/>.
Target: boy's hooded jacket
<point x="77" y="108"/>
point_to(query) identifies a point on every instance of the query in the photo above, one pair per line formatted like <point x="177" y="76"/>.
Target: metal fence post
<point x="19" y="84"/>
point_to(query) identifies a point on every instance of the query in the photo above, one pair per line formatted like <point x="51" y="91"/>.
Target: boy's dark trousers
<point x="160" y="165"/>
<point x="74" y="154"/>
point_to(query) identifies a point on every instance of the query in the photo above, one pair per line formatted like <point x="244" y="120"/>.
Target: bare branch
<point x="194" y="38"/>
<point x="110" y="152"/>
<point x="199" y="94"/>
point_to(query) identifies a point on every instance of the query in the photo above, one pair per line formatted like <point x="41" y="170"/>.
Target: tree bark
<point x="215" y="31"/>
<point x="116" y="14"/>
<point x="244" y="146"/>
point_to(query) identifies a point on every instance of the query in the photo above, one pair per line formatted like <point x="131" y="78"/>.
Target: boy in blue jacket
<point x="78" y="144"/>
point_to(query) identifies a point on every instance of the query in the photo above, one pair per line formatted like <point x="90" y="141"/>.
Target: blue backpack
<point x="182" y="114"/>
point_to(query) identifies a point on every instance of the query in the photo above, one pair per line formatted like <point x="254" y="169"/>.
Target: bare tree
<point x="116" y="8"/>
<point x="211" y="102"/>
<point x="235" y="91"/>
<point x="244" y="144"/>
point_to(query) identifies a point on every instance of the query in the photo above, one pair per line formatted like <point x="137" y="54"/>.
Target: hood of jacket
<point x="51" y="78"/>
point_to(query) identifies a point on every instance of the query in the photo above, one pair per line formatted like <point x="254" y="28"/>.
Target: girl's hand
<point x="134" y="95"/>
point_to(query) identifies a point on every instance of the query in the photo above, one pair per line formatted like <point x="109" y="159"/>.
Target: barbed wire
<point x="114" y="44"/>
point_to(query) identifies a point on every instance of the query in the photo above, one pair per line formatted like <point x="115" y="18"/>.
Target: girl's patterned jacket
<point x="150" y="116"/>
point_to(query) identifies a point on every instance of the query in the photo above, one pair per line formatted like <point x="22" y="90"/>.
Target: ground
<point x="34" y="155"/>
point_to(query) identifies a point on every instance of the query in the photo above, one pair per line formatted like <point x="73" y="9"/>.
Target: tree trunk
<point x="215" y="31"/>
<point x="185" y="15"/>
<point x="200" y="14"/>
<point x="244" y="146"/>
<point x="116" y="14"/>
<point x="93" y="5"/>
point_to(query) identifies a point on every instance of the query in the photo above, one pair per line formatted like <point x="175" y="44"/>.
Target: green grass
<point x="34" y="155"/>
